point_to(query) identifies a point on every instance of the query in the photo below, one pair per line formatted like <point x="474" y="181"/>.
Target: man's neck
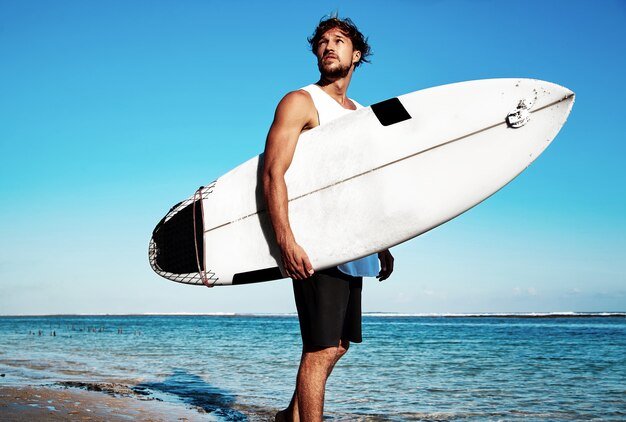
<point x="337" y="88"/>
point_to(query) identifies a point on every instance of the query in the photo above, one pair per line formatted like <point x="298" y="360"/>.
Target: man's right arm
<point x="293" y="115"/>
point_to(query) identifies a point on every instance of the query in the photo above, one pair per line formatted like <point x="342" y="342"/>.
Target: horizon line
<point x="556" y="314"/>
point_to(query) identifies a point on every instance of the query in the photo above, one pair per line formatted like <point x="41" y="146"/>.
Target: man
<point x="329" y="301"/>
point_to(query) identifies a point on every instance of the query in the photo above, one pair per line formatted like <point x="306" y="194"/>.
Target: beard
<point x="334" y="71"/>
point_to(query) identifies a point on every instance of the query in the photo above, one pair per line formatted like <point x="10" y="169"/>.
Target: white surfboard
<point x="366" y="181"/>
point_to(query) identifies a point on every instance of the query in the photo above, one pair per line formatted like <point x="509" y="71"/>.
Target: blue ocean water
<point x="243" y="367"/>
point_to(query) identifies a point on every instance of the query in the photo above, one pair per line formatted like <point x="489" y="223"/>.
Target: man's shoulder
<point x="298" y="99"/>
<point x="298" y="96"/>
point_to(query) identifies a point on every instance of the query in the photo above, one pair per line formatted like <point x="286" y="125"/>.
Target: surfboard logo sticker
<point x="390" y="112"/>
<point x="521" y="115"/>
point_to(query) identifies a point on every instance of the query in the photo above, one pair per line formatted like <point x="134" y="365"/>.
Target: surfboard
<point x="365" y="182"/>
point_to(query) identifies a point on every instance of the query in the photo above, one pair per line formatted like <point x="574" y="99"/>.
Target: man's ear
<point x="356" y="56"/>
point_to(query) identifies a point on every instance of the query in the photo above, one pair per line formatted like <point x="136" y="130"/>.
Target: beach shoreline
<point x="63" y="403"/>
<point x="104" y="401"/>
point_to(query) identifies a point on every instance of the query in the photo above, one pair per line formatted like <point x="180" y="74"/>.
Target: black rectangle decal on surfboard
<point x="257" y="276"/>
<point x="390" y="112"/>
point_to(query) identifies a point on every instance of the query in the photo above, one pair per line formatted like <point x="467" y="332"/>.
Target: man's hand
<point x="296" y="262"/>
<point x="386" y="265"/>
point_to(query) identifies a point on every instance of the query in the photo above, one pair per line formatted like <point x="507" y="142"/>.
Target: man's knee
<point x="320" y="355"/>
<point x="344" y="345"/>
<point x="327" y="354"/>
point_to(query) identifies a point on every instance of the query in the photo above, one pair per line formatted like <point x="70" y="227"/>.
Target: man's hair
<point x="347" y="27"/>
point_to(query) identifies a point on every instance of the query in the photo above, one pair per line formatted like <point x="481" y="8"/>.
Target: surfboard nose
<point x="536" y="97"/>
<point x="567" y="97"/>
<point x="558" y="91"/>
<point x="567" y="94"/>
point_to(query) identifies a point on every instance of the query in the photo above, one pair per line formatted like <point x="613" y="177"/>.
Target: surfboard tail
<point x="176" y="250"/>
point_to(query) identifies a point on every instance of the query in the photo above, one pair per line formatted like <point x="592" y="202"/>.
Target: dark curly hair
<point x="347" y="27"/>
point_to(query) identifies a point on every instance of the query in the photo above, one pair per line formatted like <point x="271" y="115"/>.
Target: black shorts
<point x="329" y="308"/>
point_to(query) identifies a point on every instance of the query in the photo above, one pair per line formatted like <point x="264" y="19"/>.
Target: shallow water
<point x="407" y="368"/>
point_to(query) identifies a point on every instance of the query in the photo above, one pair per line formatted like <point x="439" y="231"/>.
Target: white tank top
<point x="328" y="109"/>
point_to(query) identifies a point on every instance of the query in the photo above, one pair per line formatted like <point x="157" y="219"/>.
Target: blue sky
<point x="111" y="112"/>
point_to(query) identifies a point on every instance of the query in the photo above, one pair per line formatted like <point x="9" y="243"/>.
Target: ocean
<point x="522" y="367"/>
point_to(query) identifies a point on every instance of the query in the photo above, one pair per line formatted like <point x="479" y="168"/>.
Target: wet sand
<point x="75" y="404"/>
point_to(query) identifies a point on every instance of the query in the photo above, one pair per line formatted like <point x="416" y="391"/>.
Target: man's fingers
<point x="291" y="268"/>
<point x="308" y="268"/>
<point x="297" y="264"/>
<point x="298" y="272"/>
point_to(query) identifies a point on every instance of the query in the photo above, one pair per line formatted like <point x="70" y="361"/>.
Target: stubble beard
<point x="337" y="71"/>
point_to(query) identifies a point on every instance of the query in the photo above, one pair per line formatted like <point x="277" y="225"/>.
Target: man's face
<point x="336" y="54"/>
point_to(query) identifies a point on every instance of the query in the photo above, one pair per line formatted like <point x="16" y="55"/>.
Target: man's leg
<point x="315" y="368"/>
<point x="329" y="309"/>
<point x="316" y="365"/>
